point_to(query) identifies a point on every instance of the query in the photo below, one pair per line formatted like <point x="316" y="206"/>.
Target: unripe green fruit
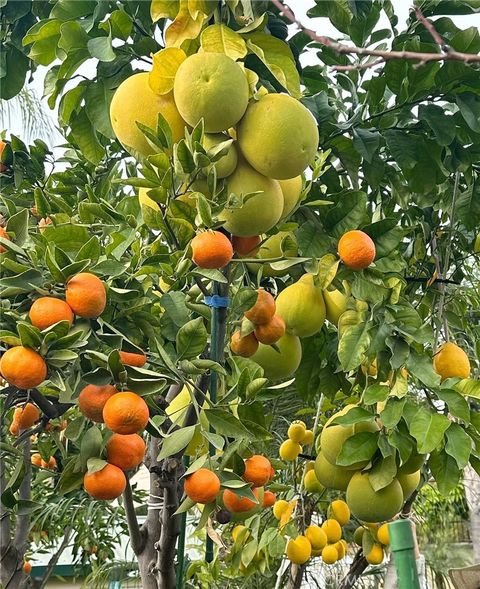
<point x="409" y="483"/>
<point x="369" y="505"/>
<point x="332" y="477"/>
<point x="282" y="364"/>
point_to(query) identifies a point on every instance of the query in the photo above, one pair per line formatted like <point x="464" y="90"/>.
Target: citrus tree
<point x="234" y="239"/>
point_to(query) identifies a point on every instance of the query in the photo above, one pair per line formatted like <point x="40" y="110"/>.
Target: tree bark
<point x="471" y="482"/>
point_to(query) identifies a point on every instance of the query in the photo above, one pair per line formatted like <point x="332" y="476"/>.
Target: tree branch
<point x="359" y="564"/>
<point x="137" y="535"/>
<point x="168" y="538"/>
<point x="447" y="53"/>
<point x="52" y="563"/>
<point x="24" y="494"/>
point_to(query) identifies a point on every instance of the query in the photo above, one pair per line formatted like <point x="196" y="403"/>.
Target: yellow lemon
<point x="279" y="508"/>
<point x="299" y="550"/>
<point x="451" y="361"/>
<point x="383" y="535"/>
<point x="296" y="431"/>
<point x="289" y="450"/>
<point x="329" y="554"/>
<point x="311" y="483"/>
<point x="375" y="556"/>
<point x="333" y="530"/>
<point x="340" y="511"/>
<point x="308" y="438"/>
<point x="316" y="536"/>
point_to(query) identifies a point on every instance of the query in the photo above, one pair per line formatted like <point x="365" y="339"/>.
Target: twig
<point x="24" y="494"/>
<point x="431" y="29"/>
<point x="137" y="536"/>
<point x="56" y="557"/>
<point x="447" y="54"/>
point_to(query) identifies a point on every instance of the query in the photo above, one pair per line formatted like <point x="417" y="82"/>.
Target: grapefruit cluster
<point x="267" y="327"/>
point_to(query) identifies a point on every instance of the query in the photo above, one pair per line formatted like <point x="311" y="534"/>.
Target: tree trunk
<point x="471" y="481"/>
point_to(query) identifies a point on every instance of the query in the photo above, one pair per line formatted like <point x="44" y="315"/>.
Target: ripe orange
<point x="108" y="483"/>
<point x="126" y="452"/>
<point x="27" y="567"/>
<point x="202" y="486"/>
<point x="126" y="413"/>
<point x="44" y="223"/>
<point x="51" y="464"/>
<point x="269" y="498"/>
<point x="356" y="249"/>
<point x="272" y="473"/>
<point x="36" y="459"/>
<point x="211" y="249"/>
<point x="4" y="234"/>
<point x="236" y="504"/>
<point x="3" y="167"/>
<point x="92" y="399"/>
<point x="26" y="415"/>
<point x="257" y="470"/>
<point x="14" y="428"/>
<point x="246" y="246"/>
<point x="270" y="332"/>
<point x="47" y="311"/>
<point x="263" y="310"/>
<point x="132" y="359"/>
<point x="86" y="295"/>
<point x="244" y="346"/>
<point x="23" y="368"/>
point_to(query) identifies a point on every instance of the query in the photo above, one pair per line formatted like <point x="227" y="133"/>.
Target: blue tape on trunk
<point x="217" y="301"/>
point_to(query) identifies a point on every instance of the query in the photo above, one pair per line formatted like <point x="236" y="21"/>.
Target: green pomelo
<point x="301" y="306"/>
<point x="259" y="213"/>
<point x="369" y="505"/>
<point x="282" y="364"/>
<point x="332" y="477"/>
<point x="414" y="463"/>
<point x="276" y="246"/>
<point x="291" y="189"/>
<point x="409" y="482"/>
<point x="333" y="437"/>
<point x="211" y="86"/>
<point x="278" y="136"/>
<point x="335" y="304"/>
<point x="227" y="163"/>
<point x="134" y="102"/>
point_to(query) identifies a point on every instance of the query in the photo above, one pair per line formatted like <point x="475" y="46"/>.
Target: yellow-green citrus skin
<point x="409" y="482"/>
<point x="211" y="86"/>
<point x="133" y="102"/>
<point x="291" y="189"/>
<point x="226" y="164"/>
<point x="451" y="362"/>
<point x="332" y="477"/>
<point x="278" y="136"/>
<point x="369" y="505"/>
<point x="283" y="364"/>
<point x="258" y="213"/>
<point x="335" y="304"/>
<point x="301" y="306"/>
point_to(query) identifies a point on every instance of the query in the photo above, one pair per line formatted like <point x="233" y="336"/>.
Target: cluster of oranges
<point x="85" y="297"/>
<point x="298" y="436"/>
<point x="203" y="487"/>
<point x="266" y="327"/>
<point x="125" y="414"/>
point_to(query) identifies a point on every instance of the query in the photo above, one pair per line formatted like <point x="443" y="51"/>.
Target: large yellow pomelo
<point x="369" y="505"/>
<point x="260" y="212"/>
<point x="451" y="361"/>
<point x="226" y="164"/>
<point x="409" y="482"/>
<point x="280" y="364"/>
<point x="145" y="200"/>
<point x="301" y="306"/>
<point x="278" y="136"/>
<point x="291" y="189"/>
<point x="332" y="477"/>
<point x="177" y="411"/>
<point x="275" y="246"/>
<point x="335" y="303"/>
<point x="134" y="102"/>
<point x="211" y="86"/>
<point x="334" y="436"/>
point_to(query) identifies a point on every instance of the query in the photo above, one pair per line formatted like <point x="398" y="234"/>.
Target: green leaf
<point x="428" y="429"/>
<point x="457" y="404"/>
<point x="383" y="473"/>
<point x="392" y="413"/>
<point x="15" y="65"/>
<point x="91" y="445"/>
<point x="358" y="448"/>
<point x="421" y="366"/>
<point x="85" y="136"/>
<point x="177" y="441"/>
<point x="18" y="224"/>
<point x="29" y="335"/>
<point x="71" y="477"/>
<point x="366" y="142"/>
<point x="101" y="48"/>
<point x="458" y="445"/>
<point x="192" y="338"/>
<point x="353" y="345"/>
<point x="165" y="65"/>
<point x="214" y="439"/>
<point x="375" y="393"/>
<point x="95" y="465"/>
<point x="349" y="212"/>
<point x="469" y="105"/>
<point x="445" y="471"/>
<point x="442" y="125"/>
<point x="354" y="415"/>
<point x="468" y="387"/>
<point x="223" y="422"/>
<point x="219" y="38"/>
